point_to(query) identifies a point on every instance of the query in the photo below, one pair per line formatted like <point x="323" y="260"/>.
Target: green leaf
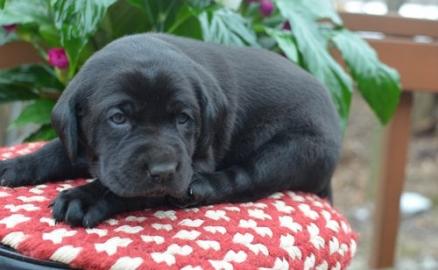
<point x="50" y="35"/>
<point x="77" y="21"/>
<point x="24" y="11"/>
<point x="160" y="14"/>
<point x="2" y="4"/>
<point x="27" y="82"/>
<point x="172" y="16"/>
<point x="38" y="112"/>
<point x="38" y="76"/>
<point x="199" y="4"/>
<point x="227" y="27"/>
<point x="44" y="133"/>
<point x="150" y="9"/>
<point x="16" y="92"/>
<point x="286" y="43"/>
<point x="151" y="12"/>
<point x="186" y="23"/>
<point x="123" y="18"/>
<point x="312" y="45"/>
<point x="378" y="83"/>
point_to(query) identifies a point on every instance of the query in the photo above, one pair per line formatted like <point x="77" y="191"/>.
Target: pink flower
<point x="266" y="7"/>
<point x="10" y="27"/>
<point x="58" y="58"/>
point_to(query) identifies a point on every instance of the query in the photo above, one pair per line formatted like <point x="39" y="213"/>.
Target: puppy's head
<point x="138" y="112"/>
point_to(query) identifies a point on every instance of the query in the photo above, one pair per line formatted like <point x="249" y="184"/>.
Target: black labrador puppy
<point x="159" y="119"/>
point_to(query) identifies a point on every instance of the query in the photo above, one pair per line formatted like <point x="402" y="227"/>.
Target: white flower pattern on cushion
<point x="209" y="244"/>
<point x="251" y="224"/>
<point x="66" y="254"/>
<point x="56" y="236"/>
<point x="287" y="242"/>
<point x="127" y="263"/>
<point x="191" y="222"/>
<point x="153" y="238"/>
<point x="129" y="229"/>
<point x="168" y="256"/>
<point x="13" y="239"/>
<point x="32" y="198"/>
<point x="112" y="244"/>
<point x="12" y="220"/>
<point x="26" y="207"/>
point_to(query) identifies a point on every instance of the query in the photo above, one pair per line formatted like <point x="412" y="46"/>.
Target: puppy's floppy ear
<point x="212" y="102"/>
<point x="65" y="123"/>
<point x="208" y="116"/>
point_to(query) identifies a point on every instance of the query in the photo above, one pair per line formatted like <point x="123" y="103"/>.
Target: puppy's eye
<point x="182" y="118"/>
<point x="118" y="118"/>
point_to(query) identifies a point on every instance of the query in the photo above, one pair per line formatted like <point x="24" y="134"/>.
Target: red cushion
<point x="285" y="231"/>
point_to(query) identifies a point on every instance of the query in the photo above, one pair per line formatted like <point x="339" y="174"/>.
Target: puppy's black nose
<point x="162" y="171"/>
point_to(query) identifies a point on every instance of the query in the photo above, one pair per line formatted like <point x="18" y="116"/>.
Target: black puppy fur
<point x="159" y="119"/>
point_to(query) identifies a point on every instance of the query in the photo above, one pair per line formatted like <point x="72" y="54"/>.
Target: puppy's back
<point x="263" y="79"/>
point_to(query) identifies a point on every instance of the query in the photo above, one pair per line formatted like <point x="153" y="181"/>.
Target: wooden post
<point x="390" y="186"/>
<point x="13" y="54"/>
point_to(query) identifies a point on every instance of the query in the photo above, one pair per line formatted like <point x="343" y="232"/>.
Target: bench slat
<point x="390" y="24"/>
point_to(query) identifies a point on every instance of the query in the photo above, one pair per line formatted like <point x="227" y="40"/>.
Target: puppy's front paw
<point x="200" y="192"/>
<point x="80" y="206"/>
<point x="15" y="172"/>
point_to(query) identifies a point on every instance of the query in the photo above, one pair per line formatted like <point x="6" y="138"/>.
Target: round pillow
<point x="287" y="230"/>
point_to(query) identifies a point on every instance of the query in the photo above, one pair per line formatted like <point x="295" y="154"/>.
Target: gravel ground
<point x="355" y="185"/>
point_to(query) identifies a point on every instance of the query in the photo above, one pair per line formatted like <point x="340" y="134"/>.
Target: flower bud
<point x="266" y="7"/>
<point x="58" y="58"/>
<point x="10" y="27"/>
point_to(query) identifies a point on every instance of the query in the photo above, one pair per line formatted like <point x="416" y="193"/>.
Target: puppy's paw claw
<point x="197" y="194"/>
<point x="181" y="202"/>
<point x="77" y="207"/>
<point x="201" y="190"/>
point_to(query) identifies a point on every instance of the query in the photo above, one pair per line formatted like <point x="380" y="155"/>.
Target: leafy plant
<point x="66" y="33"/>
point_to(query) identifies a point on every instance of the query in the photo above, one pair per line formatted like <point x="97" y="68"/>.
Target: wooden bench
<point x="417" y="64"/>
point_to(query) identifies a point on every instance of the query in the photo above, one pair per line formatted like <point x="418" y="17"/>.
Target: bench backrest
<point x="403" y="47"/>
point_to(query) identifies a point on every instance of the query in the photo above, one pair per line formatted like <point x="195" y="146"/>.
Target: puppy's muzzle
<point x="147" y="170"/>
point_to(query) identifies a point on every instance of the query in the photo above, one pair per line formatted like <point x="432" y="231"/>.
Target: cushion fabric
<point x="287" y="230"/>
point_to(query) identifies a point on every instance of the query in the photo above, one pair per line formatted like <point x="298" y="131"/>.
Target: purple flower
<point x="286" y="25"/>
<point x="10" y="27"/>
<point x="58" y="58"/>
<point x="266" y="7"/>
